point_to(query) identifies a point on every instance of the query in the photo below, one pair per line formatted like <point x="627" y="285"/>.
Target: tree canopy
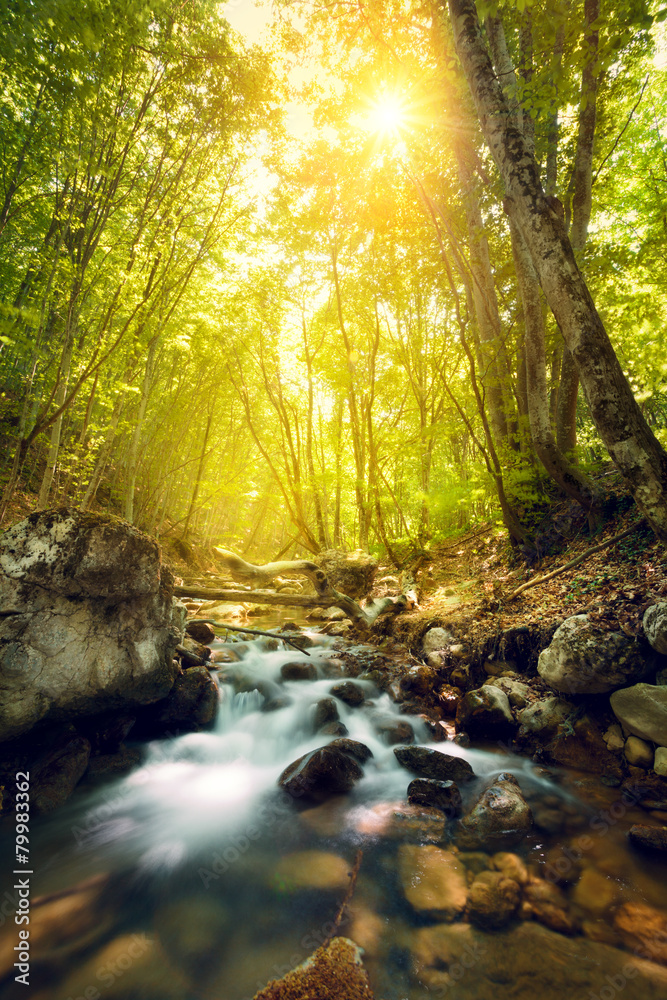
<point x="301" y="293"/>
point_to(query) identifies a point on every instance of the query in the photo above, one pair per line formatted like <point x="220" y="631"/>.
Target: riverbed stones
<point x="643" y="929"/>
<point x="433" y="880"/>
<point x="548" y="905"/>
<point x="517" y="691"/>
<point x="595" y="892"/>
<point x="642" y="711"/>
<point x="201" y="632"/>
<point x="638" y="752"/>
<point x="89" y="623"/>
<point x="462" y="961"/>
<point x="582" y="660"/>
<point x="500" y="818"/>
<point x="311" y="870"/>
<point x="142" y="969"/>
<point x="442" y="795"/>
<point x="485" y="712"/>
<point x="543" y="717"/>
<point x="331" y="770"/>
<point x="493" y="900"/>
<point x="394" y="730"/>
<point x="428" y="763"/>
<point x="655" y="626"/>
<point x="334" y="972"/>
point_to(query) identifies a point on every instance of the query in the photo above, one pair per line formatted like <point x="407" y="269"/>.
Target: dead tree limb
<point x="326" y="595"/>
<point x="253" y="631"/>
<point x="575" y="562"/>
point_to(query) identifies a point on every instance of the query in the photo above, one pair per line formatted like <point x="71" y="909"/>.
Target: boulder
<point x="88" y="622"/>
<point x="330" y="770"/>
<point x="201" y="632"/>
<point x="436" y="638"/>
<point x="429" y="763"/>
<point x="334" y="972"/>
<point x="298" y="671"/>
<point x="517" y="691"/>
<point x="582" y="660"/>
<point x="326" y="711"/>
<point x="642" y="711"/>
<point x="485" y="712"/>
<point x="660" y="762"/>
<point x="543" y="717"/>
<point x="191" y="704"/>
<point x="655" y="626"/>
<point x="459" y="961"/>
<point x="394" y="730"/>
<point x="442" y="795"/>
<point x="433" y="880"/>
<point x="494" y="899"/>
<point x="349" y="692"/>
<point x="500" y="818"/>
<point x="57" y="772"/>
<point x="350" y="573"/>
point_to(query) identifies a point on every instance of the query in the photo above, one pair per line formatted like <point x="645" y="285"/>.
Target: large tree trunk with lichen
<point x="620" y="423"/>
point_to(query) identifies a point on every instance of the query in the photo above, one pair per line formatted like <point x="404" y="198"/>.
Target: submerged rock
<point x="462" y="962"/>
<point x="500" y="818"/>
<point x="644" y="930"/>
<point x="298" y="671"/>
<point x="334" y="972"/>
<point x="349" y="692"/>
<point x="494" y="899"/>
<point x="583" y="660"/>
<point x="311" y="870"/>
<point x="433" y="880"/>
<point x="428" y="763"/>
<point x="330" y="770"/>
<point x="88" y="622"/>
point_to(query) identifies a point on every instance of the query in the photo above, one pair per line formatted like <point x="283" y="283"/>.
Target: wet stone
<point x="494" y="899"/>
<point x="334" y="729"/>
<point x="429" y="763"/>
<point x="443" y="795"/>
<point x="275" y="704"/>
<point x="395" y="731"/>
<point x="326" y="711"/>
<point x="648" y="838"/>
<point x="298" y="671"/>
<point x="348" y="692"/>
<point x="200" y="631"/>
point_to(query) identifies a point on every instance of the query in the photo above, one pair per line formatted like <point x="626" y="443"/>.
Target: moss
<point x="332" y="973"/>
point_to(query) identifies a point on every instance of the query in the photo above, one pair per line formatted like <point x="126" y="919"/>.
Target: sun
<point x="387" y="114"/>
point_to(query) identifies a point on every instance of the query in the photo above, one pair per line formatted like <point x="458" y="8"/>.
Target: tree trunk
<point x="582" y="200"/>
<point x="631" y="443"/>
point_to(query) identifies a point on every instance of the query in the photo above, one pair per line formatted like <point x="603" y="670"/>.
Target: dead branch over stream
<point x="326" y="595"/>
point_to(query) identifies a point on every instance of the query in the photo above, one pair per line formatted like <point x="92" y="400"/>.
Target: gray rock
<point x="500" y="818"/>
<point x="436" y="638"/>
<point x="638" y="752"/>
<point x="517" y="691"/>
<point x="642" y="711"/>
<point x="582" y="660"/>
<point x="89" y="619"/>
<point x="546" y="715"/>
<point x="655" y="626"/>
<point x="485" y="712"/>
<point x="429" y="763"/>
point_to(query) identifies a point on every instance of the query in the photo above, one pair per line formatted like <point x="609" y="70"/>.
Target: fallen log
<point x="326" y="595"/>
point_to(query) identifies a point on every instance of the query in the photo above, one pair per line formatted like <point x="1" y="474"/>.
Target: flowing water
<point x="208" y="881"/>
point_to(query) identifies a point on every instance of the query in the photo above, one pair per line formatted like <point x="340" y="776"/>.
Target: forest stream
<point x="200" y="879"/>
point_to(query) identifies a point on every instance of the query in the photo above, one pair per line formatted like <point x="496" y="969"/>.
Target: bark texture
<point x="631" y="443"/>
